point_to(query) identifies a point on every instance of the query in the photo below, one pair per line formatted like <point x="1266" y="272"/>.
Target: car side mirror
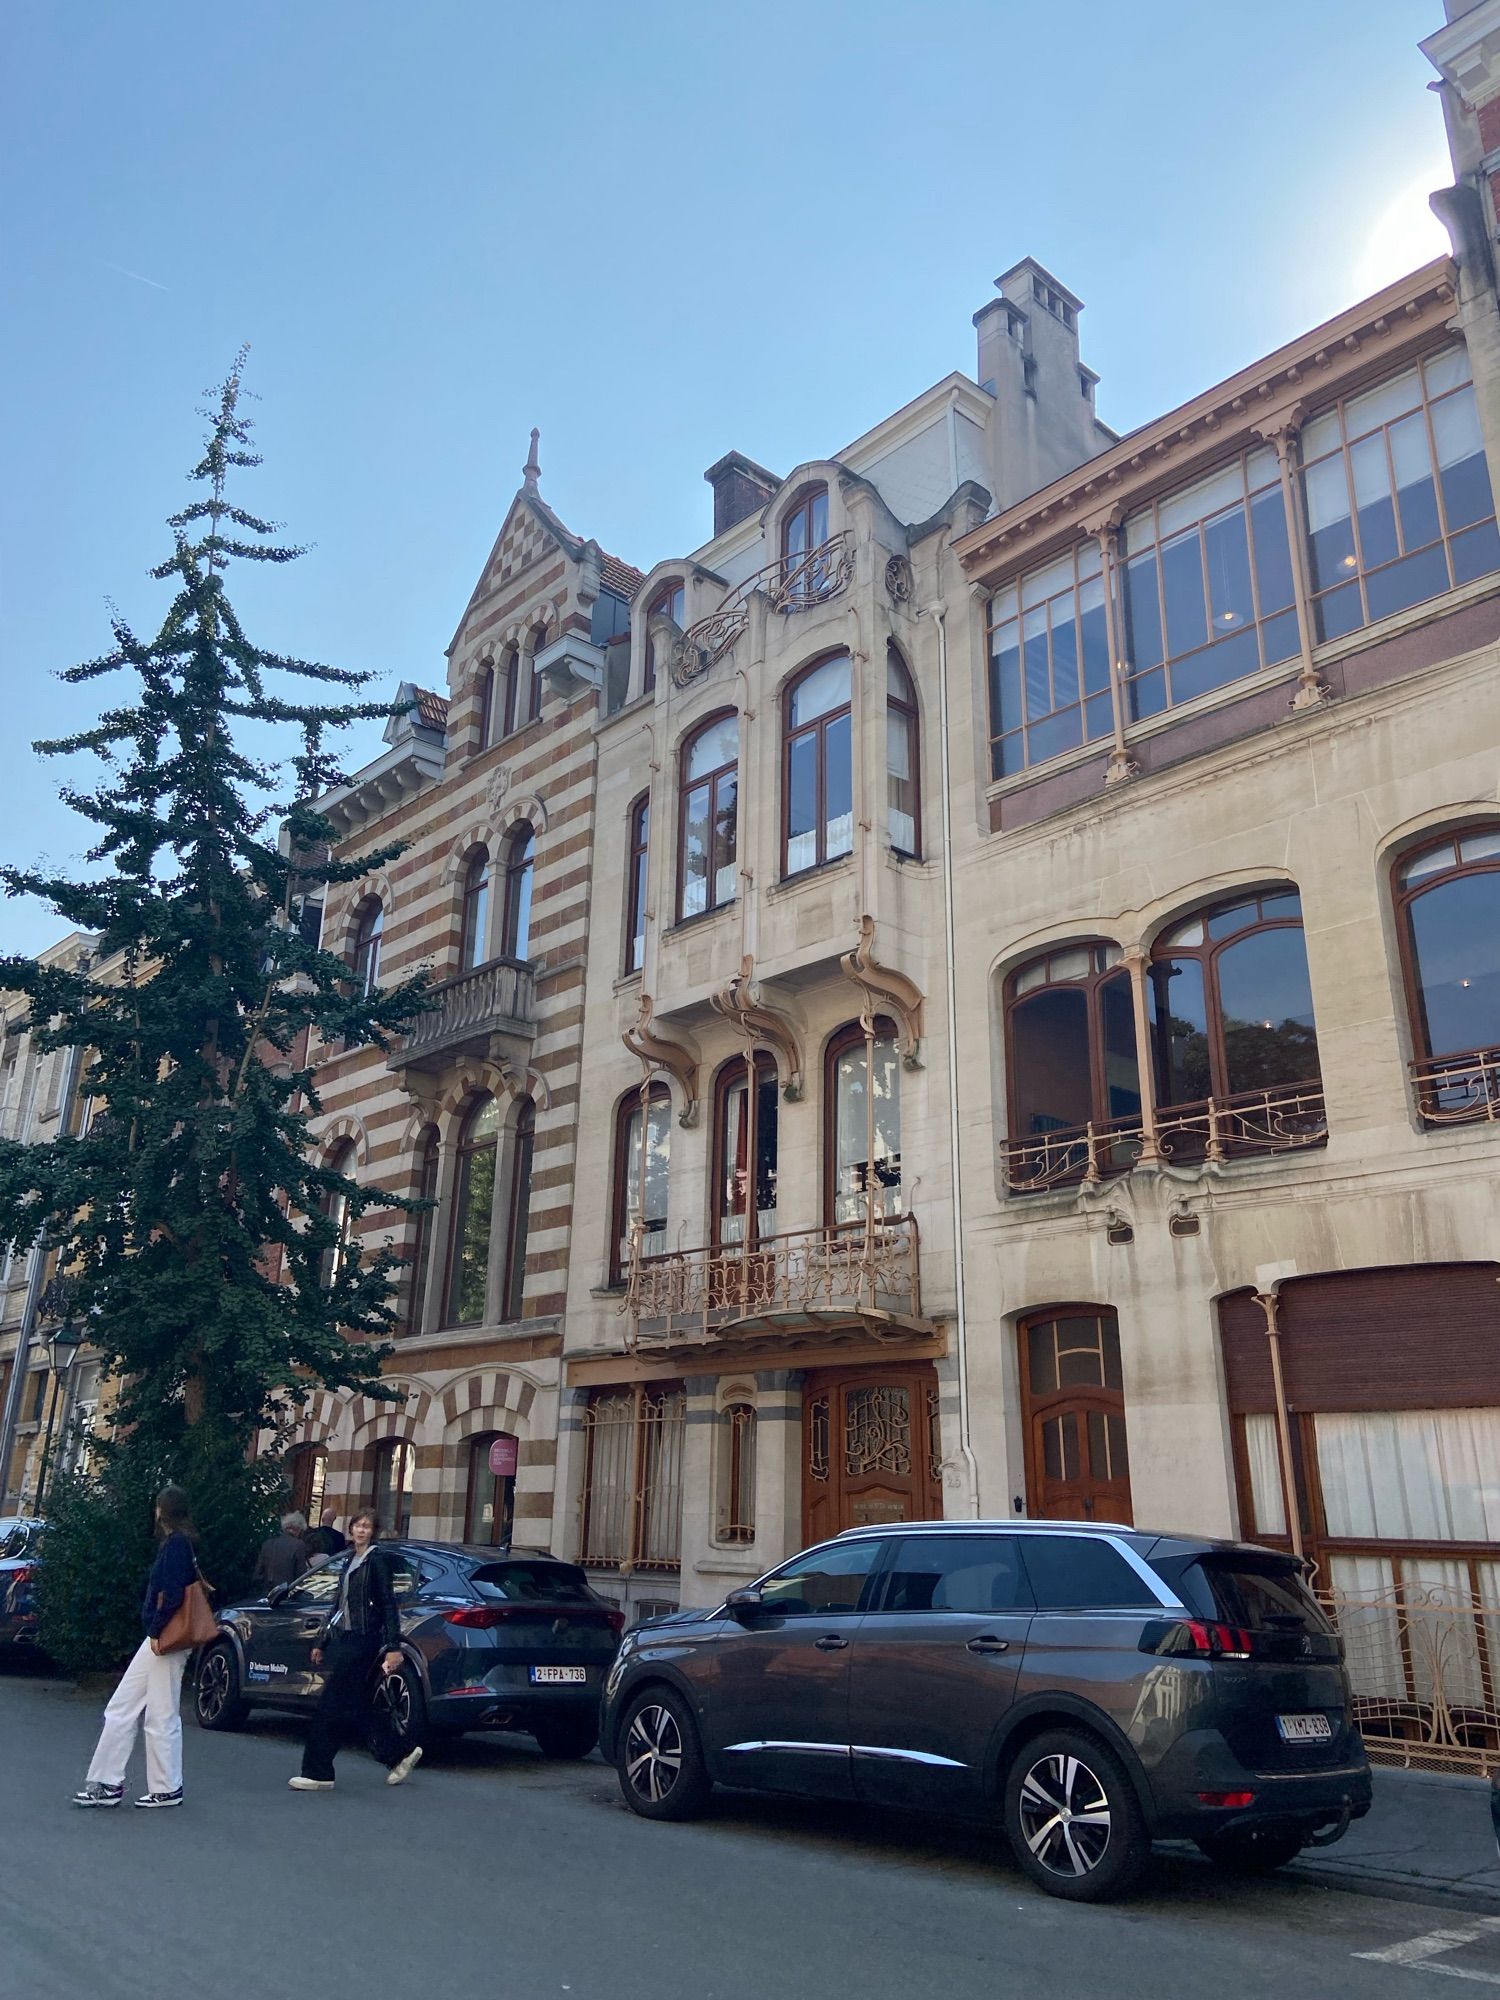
<point x="277" y="1591"/>
<point x="745" y="1606"/>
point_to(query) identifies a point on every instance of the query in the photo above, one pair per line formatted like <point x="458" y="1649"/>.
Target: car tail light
<point x="1232" y="1800"/>
<point x="20" y="1576"/>
<point x="482" y="1615"/>
<point x="1197" y="1639"/>
<point x="616" y="1620"/>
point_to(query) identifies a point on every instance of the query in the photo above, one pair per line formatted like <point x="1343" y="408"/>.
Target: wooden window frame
<point x="850" y="1036"/>
<point x="637" y="879"/>
<point x="711" y="781"/>
<point x="484" y="701"/>
<point x="818" y="728"/>
<point x="803" y="508"/>
<point x="510" y="669"/>
<point x="1036" y="1405"/>
<point x="505" y="1518"/>
<point x="364" y="946"/>
<point x="732" y="1076"/>
<point x="637" y="1476"/>
<point x="1100" y="972"/>
<point x="473" y="910"/>
<point x="518" y="1209"/>
<point x="520" y="860"/>
<point x="1403" y="898"/>
<point x="661" y="606"/>
<point x="901" y="705"/>
<point x="341" y="1158"/>
<point x="739" y="1426"/>
<point x="619" y="1207"/>
<point x="429" y="1162"/>
<point x="464" y="1152"/>
<point x="382" y="1451"/>
<point x="535" y="642"/>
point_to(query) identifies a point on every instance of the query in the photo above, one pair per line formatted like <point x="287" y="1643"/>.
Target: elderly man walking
<point x="283" y="1557"/>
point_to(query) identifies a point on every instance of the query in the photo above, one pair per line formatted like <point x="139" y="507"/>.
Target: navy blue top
<point x="174" y="1569"/>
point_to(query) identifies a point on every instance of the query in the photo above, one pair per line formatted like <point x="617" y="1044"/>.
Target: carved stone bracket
<point x="886" y="991"/>
<point x="753" y="1012"/>
<point x="659" y="1051"/>
<point x="898" y="580"/>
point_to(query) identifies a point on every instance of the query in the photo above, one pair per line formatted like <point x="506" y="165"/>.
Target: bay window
<point x="1049" y="662"/>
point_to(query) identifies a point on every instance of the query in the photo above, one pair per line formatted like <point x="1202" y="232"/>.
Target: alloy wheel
<point x="213" y="1685"/>
<point x="1065" y="1816"/>
<point x="653" y="1752"/>
<point x="394" y="1697"/>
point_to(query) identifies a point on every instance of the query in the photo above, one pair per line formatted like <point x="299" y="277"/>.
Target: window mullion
<point x="1283" y="438"/>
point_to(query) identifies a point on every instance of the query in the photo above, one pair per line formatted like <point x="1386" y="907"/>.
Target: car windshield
<point x="532" y="1583"/>
<point x="16" y="1539"/>
<point x="1260" y="1593"/>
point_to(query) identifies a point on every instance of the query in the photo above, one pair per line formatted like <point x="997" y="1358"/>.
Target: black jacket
<point x="371" y="1609"/>
<point x="171" y="1573"/>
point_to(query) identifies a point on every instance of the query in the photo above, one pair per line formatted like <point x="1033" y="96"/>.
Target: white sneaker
<point x="301" y="1784"/>
<point x="399" y="1773"/>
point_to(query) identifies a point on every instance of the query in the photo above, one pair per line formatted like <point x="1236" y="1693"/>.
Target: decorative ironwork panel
<point x="609" y="1427"/>
<point x="737" y="1476"/>
<point x="1458" y="1090"/>
<point x="663" y="1417"/>
<point x="817" y="1439"/>
<point x="1423" y="1659"/>
<point x="877" y="1432"/>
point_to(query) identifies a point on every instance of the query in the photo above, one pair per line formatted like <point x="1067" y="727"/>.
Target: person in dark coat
<point x="284" y="1557"/>
<point x="325" y="1539"/>
<point x="151" y="1686"/>
<point x="363" y="1629"/>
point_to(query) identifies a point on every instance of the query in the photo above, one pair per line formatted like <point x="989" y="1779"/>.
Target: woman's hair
<point x="173" y="1511"/>
<point x="367" y="1514"/>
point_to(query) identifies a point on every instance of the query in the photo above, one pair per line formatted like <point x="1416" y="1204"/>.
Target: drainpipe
<point x="939" y="611"/>
<point x="1269" y="1302"/>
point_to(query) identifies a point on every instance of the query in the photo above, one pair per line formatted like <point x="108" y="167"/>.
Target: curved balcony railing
<point x="791" y="583"/>
<point x="1064" y="1158"/>
<point x="493" y="999"/>
<point x="1458" y="1090"/>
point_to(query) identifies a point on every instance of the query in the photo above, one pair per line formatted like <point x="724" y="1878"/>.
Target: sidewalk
<point x="1425" y="1835"/>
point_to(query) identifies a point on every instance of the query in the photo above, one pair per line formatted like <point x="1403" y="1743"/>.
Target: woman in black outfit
<point x="362" y="1628"/>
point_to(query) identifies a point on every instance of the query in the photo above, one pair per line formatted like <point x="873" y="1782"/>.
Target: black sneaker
<point x="153" y="1800"/>
<point x="99" y="1795"/>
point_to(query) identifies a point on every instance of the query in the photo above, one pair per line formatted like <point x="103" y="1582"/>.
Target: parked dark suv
<point x="1101" y="1687"/>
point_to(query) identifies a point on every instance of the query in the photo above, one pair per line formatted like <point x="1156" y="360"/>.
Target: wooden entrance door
<point x="869" y="1448"/>
<point x="1077" y="1459"/>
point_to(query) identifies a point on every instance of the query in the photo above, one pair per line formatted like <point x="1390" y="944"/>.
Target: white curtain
<point x="1264" y="1456"/>
<point x="1411" y="1475"/>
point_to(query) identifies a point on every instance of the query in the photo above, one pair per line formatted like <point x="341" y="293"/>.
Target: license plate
<point x="1305" y="1728"/>
<point x="551" y="1675"/>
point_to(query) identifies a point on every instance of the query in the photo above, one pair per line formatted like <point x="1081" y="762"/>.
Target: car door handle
<point x="830" y="1643"/>
<point x="987" y="1643"/>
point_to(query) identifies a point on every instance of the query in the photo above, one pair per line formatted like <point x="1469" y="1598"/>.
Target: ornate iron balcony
<point x="807" y="1281"/>
<point x="471" y="1011"/>
<point x="1458" y="1090"/>
<point x="792" y="583"/>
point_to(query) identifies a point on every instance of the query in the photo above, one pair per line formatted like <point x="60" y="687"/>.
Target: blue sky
<point x="657" y="231"/>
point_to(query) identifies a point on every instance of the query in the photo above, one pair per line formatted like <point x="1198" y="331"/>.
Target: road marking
<point x="1420" y="1953"/>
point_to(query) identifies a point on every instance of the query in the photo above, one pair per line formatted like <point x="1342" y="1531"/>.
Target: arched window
<point x="1071" y="1061"/>
<point x="862" y="1136"/>
<point x="745" y="1160"/>
<point x="490" y="1505"/>
<point x="484" y="707"/>
<point x="340" y="1213"/>
<point x="474" y="925"/>
<point x="804" y="530"/>
<point x="736" y="1508"/>
<point x="306" y="1471"/>
<point x="818" y="774"/>
<point x="421" y="1229"/>
<point x="364" y="952"/>
<point x="1232" y="1020"/>
<point x="903" y="776"/>
<point x="641" y="1183"/>
<point x="669" y="602"/>
<point x="473" y="1205"/>
<point x="1448" y="904"/>
<point x="533" y="677"/>
<point x="1072" y="1395"/>
<point x="519" y="855"/>
<point x="707" y="815"/>
<point x="636" y="882"/>
<point x="390" y="1486"/>
<point x="510" y="686"/>
<point x="523" y="1145"/>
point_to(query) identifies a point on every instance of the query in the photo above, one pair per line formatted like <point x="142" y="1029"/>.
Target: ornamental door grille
<point x="632" y="1497"/>
<point x="869" y="1449"/>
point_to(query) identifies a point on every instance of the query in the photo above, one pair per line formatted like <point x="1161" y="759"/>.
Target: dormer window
<point x="669" y="602"/>
<point x="804" y="529"/>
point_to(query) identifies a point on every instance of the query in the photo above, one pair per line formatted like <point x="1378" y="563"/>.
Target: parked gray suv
<point x="1100" y="1686"/>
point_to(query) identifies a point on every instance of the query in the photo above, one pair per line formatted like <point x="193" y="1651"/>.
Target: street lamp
<point x="63" y="1344"/>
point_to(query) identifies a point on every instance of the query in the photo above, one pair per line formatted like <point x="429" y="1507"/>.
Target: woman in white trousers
<point x="151" y="1686"/>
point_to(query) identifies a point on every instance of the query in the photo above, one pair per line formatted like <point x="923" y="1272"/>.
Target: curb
<point x="1355" y="1879"/>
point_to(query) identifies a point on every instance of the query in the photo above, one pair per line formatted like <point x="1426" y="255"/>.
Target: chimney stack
<point x="740" y="486"/>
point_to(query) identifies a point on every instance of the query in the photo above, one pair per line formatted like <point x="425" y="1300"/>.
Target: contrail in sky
<point x="136" y="275"/>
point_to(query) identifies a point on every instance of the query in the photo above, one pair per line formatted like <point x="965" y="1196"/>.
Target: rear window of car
<point x="1260" y="1593"/>
<point x="15" y="1541"/>
<point x="532" y="1583"/>
<point x="1078" y="1573"/>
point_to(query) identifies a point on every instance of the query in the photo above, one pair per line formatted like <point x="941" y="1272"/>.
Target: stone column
<point x="698" y="1510"/>
<point x="778" y="1466"/>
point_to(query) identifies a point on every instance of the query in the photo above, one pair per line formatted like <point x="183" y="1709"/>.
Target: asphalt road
<point x="494" y="1874"/>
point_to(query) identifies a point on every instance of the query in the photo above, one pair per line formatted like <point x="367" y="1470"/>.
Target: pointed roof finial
<point x="531" y="471"/>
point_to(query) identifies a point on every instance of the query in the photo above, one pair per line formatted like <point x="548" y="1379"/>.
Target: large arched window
<point x="862" y="1133"/>
<point x="744" y="1158"/>
<point x="390" y="1486"/>
<point x="1232" y="1021"/>
<point x="643" y="1147"/>
<point x="523" y="1144"/>
<point x="707" y="817"/>
<point x="484" y="707"/>
<point x="903" y="774"/>
<point x="490" y="1504"/>
<point x="339" y="1210"/>
<point x="519" y="857"/>
<point x="818" y="772"/>
<point x="474" y="922"/>
<point x="669" y="602"/>
<point x="1448" y="904"/>
<point x="421" y="1229"/>
<point x="364" y="950"/>
<point x="804" y="530"/>
<point x="1071" y="1062"/>
<point x="473" y="1207"/>
<point x="637" y="862"/>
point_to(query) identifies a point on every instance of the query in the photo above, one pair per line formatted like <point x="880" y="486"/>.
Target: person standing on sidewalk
<point x="151" y="1685"/>
<point x="362" y="1629"/>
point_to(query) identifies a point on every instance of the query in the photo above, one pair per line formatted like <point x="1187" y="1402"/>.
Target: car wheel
<point x="1073" y="1818"/>
<point x="1254" y="1850"/>
<point x="662" y="1772"/>
<point x="217" y="1701"/>
<point x="398" y="1710"/>
<point x="567" y="1735"/>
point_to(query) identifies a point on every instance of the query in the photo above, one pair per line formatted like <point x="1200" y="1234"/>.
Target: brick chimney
<point x="740" y="486"/>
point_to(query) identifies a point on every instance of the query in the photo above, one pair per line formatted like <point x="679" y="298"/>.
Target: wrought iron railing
<point x="792" y="583"/>
<point x="1422" y="1662"/>
<point x="1218" y="1128"/>
<point x="1064" y="1158"/>
<point x="1458" y="1090"/>
<point x="490" y="999"/>
<point x="849" y="1269"/>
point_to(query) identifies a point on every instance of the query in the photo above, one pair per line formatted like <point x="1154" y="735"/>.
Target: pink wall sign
<point x="504" y="1454"/>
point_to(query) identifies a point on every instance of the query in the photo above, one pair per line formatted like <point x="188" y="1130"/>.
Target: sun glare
<point x="1404" y="234"/>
